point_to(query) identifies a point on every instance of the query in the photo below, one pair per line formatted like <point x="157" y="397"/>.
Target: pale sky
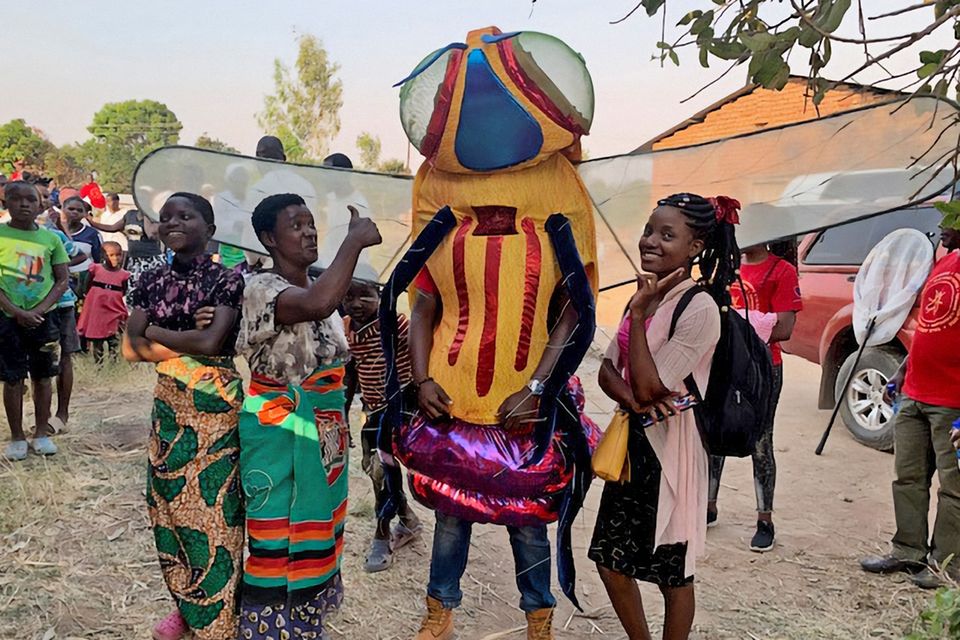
<point x="211" y="61"/>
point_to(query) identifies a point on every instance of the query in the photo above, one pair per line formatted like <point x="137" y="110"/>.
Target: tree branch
<point x="922" y="5"/>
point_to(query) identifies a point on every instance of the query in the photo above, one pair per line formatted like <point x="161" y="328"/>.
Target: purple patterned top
<point x="170" y="295"/>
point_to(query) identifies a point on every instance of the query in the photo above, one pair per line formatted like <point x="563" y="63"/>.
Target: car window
<point x="849" y="244"/>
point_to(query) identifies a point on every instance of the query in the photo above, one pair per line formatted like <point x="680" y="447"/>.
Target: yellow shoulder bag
<point x="610" y="460"/>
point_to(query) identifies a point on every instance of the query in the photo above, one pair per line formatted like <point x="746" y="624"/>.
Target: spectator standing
<point x="104" y="311"/>
<point x="651" y="527"/>
<point x="929" y="382"/>
<point x="87" y="239"/>
<point x="69" y="338"/>
<point x="33" y="276"/>
<point x="193" y="495"/>
<point x="770" y="285"/>
<point x="369" y="374"/>
<point x="110" y="217"/>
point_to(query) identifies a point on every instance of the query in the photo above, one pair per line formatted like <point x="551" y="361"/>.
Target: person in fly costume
<point x="503" y="278"/>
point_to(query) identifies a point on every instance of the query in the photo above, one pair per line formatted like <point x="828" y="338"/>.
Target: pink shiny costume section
<point x="474" y="472"/>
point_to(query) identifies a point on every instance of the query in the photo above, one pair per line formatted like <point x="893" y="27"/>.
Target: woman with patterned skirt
<point x="294" y="438"/>
<point x="193" y="488"/>
<point x="651" y="526"/>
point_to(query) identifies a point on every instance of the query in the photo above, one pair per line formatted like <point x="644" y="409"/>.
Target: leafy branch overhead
<point x="764" y="34"/>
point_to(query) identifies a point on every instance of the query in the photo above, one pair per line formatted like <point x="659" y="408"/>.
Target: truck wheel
<point x="868" y="418"/>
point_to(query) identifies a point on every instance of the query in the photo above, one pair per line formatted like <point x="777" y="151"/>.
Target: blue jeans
<point x="531" y="556"/>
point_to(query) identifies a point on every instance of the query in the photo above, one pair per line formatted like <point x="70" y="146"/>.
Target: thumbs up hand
<point x="363" y="230"/>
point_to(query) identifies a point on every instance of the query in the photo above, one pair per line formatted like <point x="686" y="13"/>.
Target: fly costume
<point x="504" y="231"/>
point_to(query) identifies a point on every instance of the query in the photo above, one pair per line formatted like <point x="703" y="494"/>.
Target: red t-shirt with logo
<point x="772" y="286"/>
<point x="933" y="371"/>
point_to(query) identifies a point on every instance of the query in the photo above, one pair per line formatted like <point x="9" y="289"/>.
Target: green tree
<point x="68" y="165"/>
<point x="394" y="165"/>
<point x="206" y="142"/>
<point x="124" y="132"/>
<point x="369" y="147"/>
<point x="304" y="110"/>
<point x="19" y="141"/>
<point x="770" y="35"/>
<point x="773" y="36"/>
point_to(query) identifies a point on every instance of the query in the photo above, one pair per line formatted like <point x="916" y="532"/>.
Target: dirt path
<point x="76" y="557"/>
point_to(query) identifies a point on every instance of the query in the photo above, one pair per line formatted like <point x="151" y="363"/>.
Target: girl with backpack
<point x="650" y="525"/>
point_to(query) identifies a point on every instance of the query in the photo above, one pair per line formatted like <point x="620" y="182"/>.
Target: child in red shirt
<point x="770" y="286"/>
<point x="104" y="311"/>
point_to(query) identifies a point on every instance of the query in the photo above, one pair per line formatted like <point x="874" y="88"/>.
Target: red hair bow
<point x="728" y="209"/>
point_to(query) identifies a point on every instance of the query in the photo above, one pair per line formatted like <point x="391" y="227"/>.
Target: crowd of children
<point x="45" y="237"/>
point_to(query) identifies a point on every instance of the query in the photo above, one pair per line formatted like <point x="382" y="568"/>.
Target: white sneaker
<point x="43" y="446"/>
<point x="16" y="450"/>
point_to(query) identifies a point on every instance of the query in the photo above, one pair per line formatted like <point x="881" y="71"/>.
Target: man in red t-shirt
<point x="930" y="404"/>
<point x="770" y="286"/>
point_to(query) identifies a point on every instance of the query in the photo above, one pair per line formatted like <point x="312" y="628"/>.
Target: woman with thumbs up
<point x="293" y="436"/>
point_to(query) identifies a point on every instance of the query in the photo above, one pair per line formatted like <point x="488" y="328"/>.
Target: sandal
<point x="404" y="535"/>
<point x="43" y="446"/>
<point x="173" y="627"/>
<point x="57" y="426"/>
<point x="16" y="451"/>
<point x="379" y="558"/>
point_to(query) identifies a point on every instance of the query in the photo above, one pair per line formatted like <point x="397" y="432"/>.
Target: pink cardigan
<point x="682" y="505"/>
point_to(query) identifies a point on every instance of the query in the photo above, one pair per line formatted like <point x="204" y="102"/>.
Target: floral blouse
<point x="170" y="295"/>
<point x="285" y="353"/>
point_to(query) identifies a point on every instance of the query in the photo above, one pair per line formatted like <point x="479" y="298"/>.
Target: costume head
<point x="499" y="101"/>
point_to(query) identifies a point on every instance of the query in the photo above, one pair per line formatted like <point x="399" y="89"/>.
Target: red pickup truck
<point x="828" y="262"/>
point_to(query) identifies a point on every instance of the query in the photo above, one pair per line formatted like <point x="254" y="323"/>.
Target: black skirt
<point x="623" y="538"/>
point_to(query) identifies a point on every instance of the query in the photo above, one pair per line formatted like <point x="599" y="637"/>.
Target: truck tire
<point x="868" y="418"/>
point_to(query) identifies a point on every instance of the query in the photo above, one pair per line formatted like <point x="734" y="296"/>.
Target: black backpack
<point x="734" y="414"/>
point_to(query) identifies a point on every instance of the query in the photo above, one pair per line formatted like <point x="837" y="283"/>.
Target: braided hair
<point x="719" y="262"/>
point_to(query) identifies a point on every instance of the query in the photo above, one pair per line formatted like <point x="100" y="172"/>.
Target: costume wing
<point x="236" y="184"/>
<point x="790" y="180"/>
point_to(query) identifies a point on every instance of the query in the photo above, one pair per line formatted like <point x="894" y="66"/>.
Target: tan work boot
<point x="438" y="623"/>
<point x="540" y="624"/>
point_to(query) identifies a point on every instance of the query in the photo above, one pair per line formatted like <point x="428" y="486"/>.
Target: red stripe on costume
<point x="460" y="280"/>
<point x="531" y="287"/>
<point x="438" y="120"/>
<point x="488" y="339"/>
<point x="532" y="91"/>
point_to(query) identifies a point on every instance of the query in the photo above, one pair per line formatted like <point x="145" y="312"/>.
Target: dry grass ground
<point x="77" y="559"/>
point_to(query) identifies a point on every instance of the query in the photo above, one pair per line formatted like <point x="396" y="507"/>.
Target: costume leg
<point x="531" y="557"/>
<point x="914" y="462"/>
<point x="946" y="528"/>
<point x="451" y="546"/>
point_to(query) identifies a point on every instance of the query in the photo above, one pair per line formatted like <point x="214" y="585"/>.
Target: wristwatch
<point x="536" y="387"/>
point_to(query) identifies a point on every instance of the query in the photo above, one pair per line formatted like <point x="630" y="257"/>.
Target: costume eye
<point x="542" y="64"/>
<point x="421" y="93"/>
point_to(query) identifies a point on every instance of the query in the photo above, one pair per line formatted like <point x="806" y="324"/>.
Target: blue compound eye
<point x="495" y="130"/>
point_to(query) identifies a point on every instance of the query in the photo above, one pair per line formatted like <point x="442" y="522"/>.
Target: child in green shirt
<point x="33" y="276"/>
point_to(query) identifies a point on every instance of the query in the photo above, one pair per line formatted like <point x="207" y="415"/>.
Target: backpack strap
<point x="682" y="305"/>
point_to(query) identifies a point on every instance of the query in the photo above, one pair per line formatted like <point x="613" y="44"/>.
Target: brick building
<point x="753" y="108"/>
